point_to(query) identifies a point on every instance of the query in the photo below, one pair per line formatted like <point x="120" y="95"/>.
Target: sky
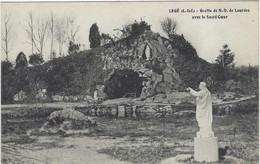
<point x="239" y="30"/>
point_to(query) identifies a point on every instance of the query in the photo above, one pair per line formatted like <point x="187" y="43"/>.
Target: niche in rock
<point x="123" y="83"/>
<point x="147" y="53"/>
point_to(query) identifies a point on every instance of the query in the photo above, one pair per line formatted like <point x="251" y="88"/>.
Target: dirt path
<point x="67" y="150"/>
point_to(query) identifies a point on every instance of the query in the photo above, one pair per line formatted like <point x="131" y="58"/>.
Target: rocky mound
<point x="162" y="68"/>
<point x="68" y="121"/>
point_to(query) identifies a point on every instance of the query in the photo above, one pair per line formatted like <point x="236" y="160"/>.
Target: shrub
<point x="183" y="46"/>
<point x="35" y="59"/>
<point x="21" y="61"/>
<point x="94" y="36"/>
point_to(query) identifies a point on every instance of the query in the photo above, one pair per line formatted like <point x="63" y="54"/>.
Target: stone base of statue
<point x="206" y="148"/>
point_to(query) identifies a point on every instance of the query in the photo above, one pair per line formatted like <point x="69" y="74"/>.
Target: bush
<point x="183" y="46"/>
<point x="35" y="59"/>
<point x="94" y="36"/>
<point x="21" y="61"/>
<point x="138" y="28"/>
<point x="73" y="48"/>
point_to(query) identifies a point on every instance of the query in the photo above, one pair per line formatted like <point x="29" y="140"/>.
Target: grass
<point x="141" y="154"/>
<point x="149" y="139"/>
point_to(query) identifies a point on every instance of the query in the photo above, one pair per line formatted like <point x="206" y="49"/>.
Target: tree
<point x="60" y="34"/>
<point x="72" y="30"/>
<point x="21" y="61"/>
<point x="169" y="26"/>
<point x="73" y="48"/>
<point x="40" y="37"/>
<point x="30" y="31"/>
<point x="37" y="36"/>
<point x="35" y="59"/>
<point x="51" y="32"/>
<point x="94" y="36"/>
<point x="6" y="67"/>
<point x="224" y="64"/>
<point x="8" y="36"/>
<point x="226" y="58"/>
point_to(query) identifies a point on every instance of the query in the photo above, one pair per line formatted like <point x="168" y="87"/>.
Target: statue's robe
<point x="203" y="112"/>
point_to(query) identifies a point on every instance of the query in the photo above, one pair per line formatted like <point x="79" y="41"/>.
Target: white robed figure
<point x="203" y="110"/>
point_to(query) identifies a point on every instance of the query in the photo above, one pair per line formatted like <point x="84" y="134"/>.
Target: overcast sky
<point x="239" y="31"/>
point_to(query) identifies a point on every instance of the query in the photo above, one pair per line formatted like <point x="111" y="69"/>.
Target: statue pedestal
<point x="206" y="149"/>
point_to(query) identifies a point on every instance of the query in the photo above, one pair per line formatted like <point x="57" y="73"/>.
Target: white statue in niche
<point x="203" y="110"/>
<point x="148" y="52"/>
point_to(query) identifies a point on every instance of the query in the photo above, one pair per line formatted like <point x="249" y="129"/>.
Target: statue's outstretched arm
<point x="195" y="93"/>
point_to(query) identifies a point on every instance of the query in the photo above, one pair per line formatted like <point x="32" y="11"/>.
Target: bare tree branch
<point x="8" y="36"/>
<point x="169" y="26"/>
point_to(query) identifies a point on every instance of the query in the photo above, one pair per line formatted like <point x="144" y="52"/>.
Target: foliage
<point x="138" y="28"/>
<point x="169" y="26"/>
<point x="71" y="75"/>
<point x="183" y="46"/>
<point x="74" y="74"/>
<point x="73" y="48"/>
<point x="94" y="36"/>
<point x="35" y="59"/>
<point x="6" y="80"/>
<point x="133" y="29"/>
<point x="53" y="55"/>
<point x="13" y="82"/>
<point x="192" y="72"/>
<point x="224" y="64"/>
<point x="106" y="38"/>
<point x="21" y="61"/>
<point x="226" y="58"/>
<point x="35" y="77"/>
<point x="6" y="67"/>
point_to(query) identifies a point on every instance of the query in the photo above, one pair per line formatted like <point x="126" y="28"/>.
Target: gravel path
<point x="56" y="150"/>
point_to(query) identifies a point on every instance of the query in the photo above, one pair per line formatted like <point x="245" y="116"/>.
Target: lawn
<point x="145" y="140"/>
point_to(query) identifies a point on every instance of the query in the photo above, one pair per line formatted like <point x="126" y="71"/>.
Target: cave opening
<point x="123" y="83"/>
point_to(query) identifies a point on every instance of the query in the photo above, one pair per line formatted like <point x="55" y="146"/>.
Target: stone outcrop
<point x="68" y="121"/>
<point x="152" y="57"/>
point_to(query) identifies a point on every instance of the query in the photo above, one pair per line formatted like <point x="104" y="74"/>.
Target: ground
<point x="124" y="140"/>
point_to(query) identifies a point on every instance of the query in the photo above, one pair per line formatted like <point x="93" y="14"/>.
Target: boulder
<point x="160" y="41"/>
<point x="163" y="87"/>
<point x="167" y="70"/>
<point x="179" y="97"/>
<point x="100" y="91"/>
<point x="57" y="98"/>
<point x="159" y="98"/>
<point x="168" y="78"/>
<point x="20" y="96"/>
<point x="230" y="85"/>
<point x="73" y="98"/>
<point x="166" y="43"/>
<point x="66" y="98"/>
<point x="156" y="77"/>
<point x="69" y="121"/>
<point x="88" y="98"/>
<point x="169" y="47"/>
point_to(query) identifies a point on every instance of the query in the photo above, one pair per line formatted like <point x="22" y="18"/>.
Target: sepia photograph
<point x="130" y="82"/>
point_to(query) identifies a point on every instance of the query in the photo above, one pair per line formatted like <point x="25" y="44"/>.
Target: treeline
<point x="71" y="75"/>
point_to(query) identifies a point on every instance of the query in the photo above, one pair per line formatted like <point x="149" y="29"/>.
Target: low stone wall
<point x="127" y="110"/>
